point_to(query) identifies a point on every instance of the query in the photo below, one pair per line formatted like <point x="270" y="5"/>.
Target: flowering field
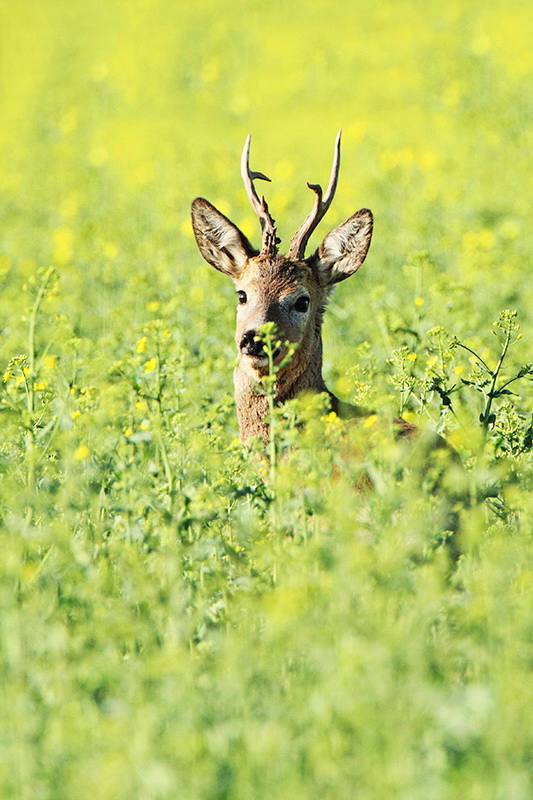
<point x="180" y="618"/>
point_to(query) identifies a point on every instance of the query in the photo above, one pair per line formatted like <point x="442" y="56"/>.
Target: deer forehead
<point x="277" y="279"/>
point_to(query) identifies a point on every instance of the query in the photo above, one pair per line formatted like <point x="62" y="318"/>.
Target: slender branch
<point x="481" y="361"/>
<point x="491" y="394"/>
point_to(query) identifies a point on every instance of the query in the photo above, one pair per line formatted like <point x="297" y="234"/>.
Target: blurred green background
<point x="172" y="625"/>
<point x="115" y="115"/>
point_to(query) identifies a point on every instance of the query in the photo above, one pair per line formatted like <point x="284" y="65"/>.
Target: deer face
<point x="285" y="293"/>
<point x="290" y="291"/>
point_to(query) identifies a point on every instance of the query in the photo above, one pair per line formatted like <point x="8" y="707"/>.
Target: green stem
<point x="490" y="396"/>
<point x="481" y="361"/>
<point x="30" y="391"/>
<point x="511" y="380"/>
<point x="270" y="397"/>
<point x="169" y="475"/>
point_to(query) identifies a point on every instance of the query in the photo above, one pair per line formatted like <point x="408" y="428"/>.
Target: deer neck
<point x="252" y="403"/>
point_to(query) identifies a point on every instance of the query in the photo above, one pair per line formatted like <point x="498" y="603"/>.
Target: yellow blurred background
<point x="115" y="115"/>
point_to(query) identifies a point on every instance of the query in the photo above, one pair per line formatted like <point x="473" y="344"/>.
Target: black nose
<point x="249" y="345"/>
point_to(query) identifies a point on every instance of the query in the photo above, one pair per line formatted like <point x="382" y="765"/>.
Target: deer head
<point x="290" y="290"/>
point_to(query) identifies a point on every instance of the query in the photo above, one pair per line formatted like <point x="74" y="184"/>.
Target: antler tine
<point x="249" y="176"/>
<point x="268" y="226"/>
<point x="301" y="237"/>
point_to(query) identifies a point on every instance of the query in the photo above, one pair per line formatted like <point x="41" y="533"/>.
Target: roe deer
<point x="290" y="290"/>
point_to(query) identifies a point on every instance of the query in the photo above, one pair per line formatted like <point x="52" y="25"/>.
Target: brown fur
<point x="272" y="284"/>
<point x="272" y="287"/>
<point x="290" y="291"/>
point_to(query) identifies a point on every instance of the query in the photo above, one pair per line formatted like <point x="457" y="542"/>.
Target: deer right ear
<point x="220" y="242"/>
<point x="344" y="249"/>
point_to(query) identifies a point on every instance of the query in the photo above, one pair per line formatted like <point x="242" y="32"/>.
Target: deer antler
<point x="301" y="237"/>
<point x="268" y="225"/>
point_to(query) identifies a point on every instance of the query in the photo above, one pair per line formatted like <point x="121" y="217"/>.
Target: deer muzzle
<point x="250" y="345"/>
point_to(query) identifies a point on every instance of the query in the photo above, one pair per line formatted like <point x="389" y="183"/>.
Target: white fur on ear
<point x="220" y="242"/>
<point x="344" y="249"/>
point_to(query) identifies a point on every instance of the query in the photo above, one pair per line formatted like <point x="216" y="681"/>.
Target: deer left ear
<point x="344" y="249"/>
<point x="220" y="242"/>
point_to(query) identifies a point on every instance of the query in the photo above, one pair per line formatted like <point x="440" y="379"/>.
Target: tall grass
<point x="183" y="618"/>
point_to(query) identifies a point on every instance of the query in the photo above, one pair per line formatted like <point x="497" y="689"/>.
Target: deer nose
<point x="249" y="345"/>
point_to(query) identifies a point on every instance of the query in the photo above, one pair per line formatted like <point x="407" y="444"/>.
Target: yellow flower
<point x="150" y="365"/>
<point x="332" y="420"/>
<point x="63" y="245"/>
<point x="455" y="437"/>
<point x="510" y="229"/>
<point x="4" y="265"/>
<point x="153" y="305"/>
<point x="196" y="293"/>
<point x="428" y="159"/>
<point x="343" y="385"/>
<point x="81" y="452"/>
<point x="128" y="432"/>
<point x="141" y="345"/>
<point x="222" y="204"/>
<point x="479" y="240"/>
<point x="7" y="376"/>
<point x="40" y="385"/>
<point x="412" y="356"/>
<point x="49" y="362"/>
<point x="75" y="414"/>
<point x="110" y="250"/>
<point x="419" y="301"/>
<point x="370" y="421"/>
<point x="145" y="425"/>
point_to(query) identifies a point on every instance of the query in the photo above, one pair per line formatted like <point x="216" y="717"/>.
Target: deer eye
<point x="242" y="298"/>
<point x="302" y="304"/>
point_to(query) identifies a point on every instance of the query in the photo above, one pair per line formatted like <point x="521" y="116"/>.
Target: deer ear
<point x="344" y="249"/>
<point x="220" y="241"/>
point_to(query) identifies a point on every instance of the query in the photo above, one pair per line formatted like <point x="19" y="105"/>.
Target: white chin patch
<point x="256" y="361"/>
<point x="255" y="366"/>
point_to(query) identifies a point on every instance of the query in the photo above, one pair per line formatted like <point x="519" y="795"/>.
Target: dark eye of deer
<point x="242" y="298"/>
<point x="302" y="304"/>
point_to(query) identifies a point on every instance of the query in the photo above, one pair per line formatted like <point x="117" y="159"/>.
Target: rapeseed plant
<point x="182" y="617"/>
